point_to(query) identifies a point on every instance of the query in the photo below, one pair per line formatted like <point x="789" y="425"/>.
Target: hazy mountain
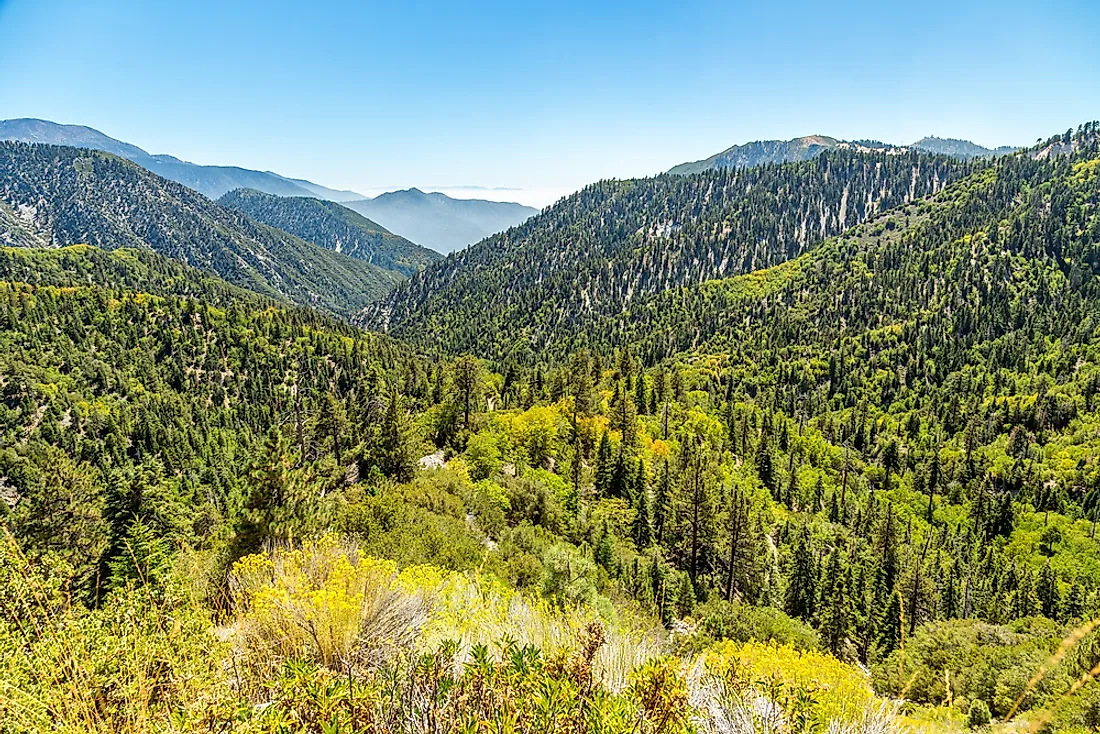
<point x="437" y="221"/>
<point x="959" y="148"/>
<point x="762" y="152"/>
<point x="324" y="192"/>
<point x="212" y="181"/>
<point x="55" y="196"/>
<point x="334" y="227"/>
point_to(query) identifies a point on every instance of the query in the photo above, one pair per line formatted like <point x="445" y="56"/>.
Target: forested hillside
<point x="61" y="196"/>
<point x="821" y="457"/>
<point x="334" y="227"/>
<point x="615" y="243"/>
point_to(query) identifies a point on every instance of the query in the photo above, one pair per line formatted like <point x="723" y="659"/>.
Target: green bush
<point x="978" y="715"/>
<point x="723" y="620"/>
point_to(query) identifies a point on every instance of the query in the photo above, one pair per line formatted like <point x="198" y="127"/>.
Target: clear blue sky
<point x="545" y="96"/>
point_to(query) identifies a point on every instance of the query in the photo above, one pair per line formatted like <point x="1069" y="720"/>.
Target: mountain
<point x="800" y="149"/>
<point x="760" y="152"/>
<point x="435" y="221"/>
<point x="334" y="227"/>
<point x="324" y="192"/>
<point x="959" y="148"/>
<point x="615" y="243"/>
<point x="54" y="196"/>
<point x="439" y="222"/>
<point x="211" y="181"/>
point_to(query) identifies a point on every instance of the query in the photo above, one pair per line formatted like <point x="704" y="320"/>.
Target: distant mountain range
<point x="762" y="152"/>
<point x="53" y="196"/>
<point x="448" y="224"/>
<point x="334" y="227"/>
<point x="435" y="221"/>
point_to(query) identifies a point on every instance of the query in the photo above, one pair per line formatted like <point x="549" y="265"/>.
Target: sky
<point x="527" y="101"/>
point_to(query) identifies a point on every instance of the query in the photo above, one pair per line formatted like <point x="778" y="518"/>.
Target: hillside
<point x="333" y="227"/>
<point x="615" y="243"/>
<point x="848" y="474"/>
<point x="439" y="222"/>
<point x="60" y="196"/>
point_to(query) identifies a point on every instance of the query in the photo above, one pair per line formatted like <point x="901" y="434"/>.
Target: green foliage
<point x="738" y="622"/>
<point x="978" y="715"/>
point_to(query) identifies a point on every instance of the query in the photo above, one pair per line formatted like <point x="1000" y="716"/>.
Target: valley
<point x="810" y="430"/>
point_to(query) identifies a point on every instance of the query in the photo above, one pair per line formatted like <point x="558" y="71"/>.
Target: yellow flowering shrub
<point x="328" y="602"/>
<point x="841" y="692"/>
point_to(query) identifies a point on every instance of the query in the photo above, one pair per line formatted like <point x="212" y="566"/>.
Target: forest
<point x="799" y="448"/>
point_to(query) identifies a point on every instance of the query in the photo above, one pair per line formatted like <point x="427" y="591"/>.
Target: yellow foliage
<point x="843" y="691"/>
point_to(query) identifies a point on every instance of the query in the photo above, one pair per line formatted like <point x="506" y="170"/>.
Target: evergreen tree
<point x="604" y="467"/>
<point x="836" y="606"/>
<point x="802" y="581"/>
<point x="394" y="453"/>
<point x="604" y="552"/>
<point x="642" y="530"/>
<point x="1050" y="600"/>
<point x="890" y="626"/>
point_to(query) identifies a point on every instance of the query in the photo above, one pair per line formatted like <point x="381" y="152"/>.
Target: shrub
<point x="832" y="691"/>
<point x="978" y="715"/>
<point x="328" y="602"/>
<point x="722" y="620"/>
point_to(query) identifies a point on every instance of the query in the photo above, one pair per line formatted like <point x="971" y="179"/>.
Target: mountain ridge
<point x="761" y="152"/>
<point x="63" y="196"/>
<point x="445" y="225"/>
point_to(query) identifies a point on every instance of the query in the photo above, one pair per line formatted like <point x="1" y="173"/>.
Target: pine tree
<point x="890" y="626"/>
<point x="603" y="467"/>
<point x="604" y="552"/>
<point x="765" y="467"/>
<point x="642" y="529"/>
<point x="466" y="378"/>
<point x="890" y="461"/>
<point x="888" y="556"/>
<point x="580" y="377"/>
<point x="1046" y="590"/>
<point x="620" y="480"/>
<point x="661" y="503"/>
<point x="641" y="395"/>
<point x="393" y="455"/>
<point x="836" y="608"/>
<point x="737" y="519"/>
<point x="802" y="581"/>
